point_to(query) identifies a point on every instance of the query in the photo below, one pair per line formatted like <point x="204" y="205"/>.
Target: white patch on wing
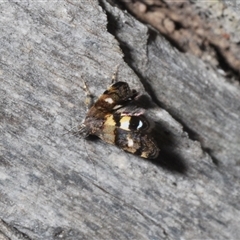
<point x="130" y="142"/>
<point x="117" y="106"/>
<point x="125" y="125"/>
<point x="108" y="100"/>
<point x="140" y="124"/>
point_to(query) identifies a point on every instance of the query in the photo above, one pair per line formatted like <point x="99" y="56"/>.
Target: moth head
<point x="83" y="130"/>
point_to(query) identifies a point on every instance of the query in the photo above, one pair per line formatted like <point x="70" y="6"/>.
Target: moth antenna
<point x="88" y="103"/>
<point x="114" y="76"/>
<point x="89" y="96"/>
<point x="68" y="130"/>
<point x="78" y="130"/>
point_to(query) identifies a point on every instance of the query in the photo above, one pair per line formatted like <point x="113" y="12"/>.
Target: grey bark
<point x="56" y="185"/>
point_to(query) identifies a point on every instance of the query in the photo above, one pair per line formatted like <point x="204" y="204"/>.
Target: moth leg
<point x="89" y="97"/>
<point x="71" y="130"/>
<point x="114" y="76"/>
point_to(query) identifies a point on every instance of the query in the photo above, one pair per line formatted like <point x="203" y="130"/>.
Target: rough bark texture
<point x="202" y="32"/>
<point x="55" y="185"/>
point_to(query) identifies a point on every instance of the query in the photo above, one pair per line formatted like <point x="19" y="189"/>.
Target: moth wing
<point x="136" y="123"/>
<point x="130" y="110"/>
<point x="139" y="142"/>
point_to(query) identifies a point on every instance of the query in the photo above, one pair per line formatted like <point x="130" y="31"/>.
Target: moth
<point x="115" y="119"/>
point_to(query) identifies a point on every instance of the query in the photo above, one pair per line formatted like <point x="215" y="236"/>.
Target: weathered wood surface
<point x="59" y="186"/>
<point x="203" y="32"/>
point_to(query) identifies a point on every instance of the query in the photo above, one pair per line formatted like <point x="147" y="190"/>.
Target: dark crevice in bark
<point x="223" y="58"/>
<point x="172" y="162"/>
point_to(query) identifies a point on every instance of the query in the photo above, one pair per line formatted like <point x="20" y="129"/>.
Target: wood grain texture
<point x="203" y="32"/>
<point x="55" y="185"/>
